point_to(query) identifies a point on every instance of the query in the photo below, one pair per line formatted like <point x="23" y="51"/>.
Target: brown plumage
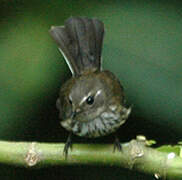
<point x="80" y="40"/>
<point x="91" y="103"/>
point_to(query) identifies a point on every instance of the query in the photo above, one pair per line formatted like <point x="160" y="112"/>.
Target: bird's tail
<point x="80" y="42"/>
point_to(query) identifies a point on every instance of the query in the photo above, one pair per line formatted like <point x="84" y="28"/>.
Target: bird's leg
<point x="117" y="144"/>
<point x="68" y="145"/>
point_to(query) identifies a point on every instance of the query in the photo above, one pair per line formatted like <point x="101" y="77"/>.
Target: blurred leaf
<point x="168" y="148"/>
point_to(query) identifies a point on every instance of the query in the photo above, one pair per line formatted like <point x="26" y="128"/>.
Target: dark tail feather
<point x="80" y="42"/>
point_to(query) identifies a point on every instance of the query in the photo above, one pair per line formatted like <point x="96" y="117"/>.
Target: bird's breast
<point x="104" y="124"/>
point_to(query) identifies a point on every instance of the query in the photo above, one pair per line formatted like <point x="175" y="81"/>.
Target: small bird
<point x="91" y="103"/>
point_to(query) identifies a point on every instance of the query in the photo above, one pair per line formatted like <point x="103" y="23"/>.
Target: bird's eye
<point x="90" y="100"/>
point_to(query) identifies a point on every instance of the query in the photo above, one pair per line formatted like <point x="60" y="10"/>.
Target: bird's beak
<point x="74" y="113"/>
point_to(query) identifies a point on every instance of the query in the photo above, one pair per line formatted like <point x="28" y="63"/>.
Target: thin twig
<point x="134" y="155"/>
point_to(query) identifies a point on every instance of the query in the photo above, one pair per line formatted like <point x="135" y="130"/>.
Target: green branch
<point x="135" y="156"/>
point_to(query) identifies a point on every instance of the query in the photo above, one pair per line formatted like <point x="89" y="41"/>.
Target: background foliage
<point x="142" y="46"/>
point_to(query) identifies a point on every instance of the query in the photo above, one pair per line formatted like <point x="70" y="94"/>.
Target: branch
<point x="135" y="155"/>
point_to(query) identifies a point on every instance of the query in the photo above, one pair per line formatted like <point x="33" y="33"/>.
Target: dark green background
<point x="142" y="46"/>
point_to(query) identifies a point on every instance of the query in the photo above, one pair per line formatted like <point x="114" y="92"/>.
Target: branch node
<point x="136" y="149"/>
<point x="32" y="157"/>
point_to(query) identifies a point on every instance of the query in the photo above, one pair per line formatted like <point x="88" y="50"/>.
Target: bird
<point x="92" y="102"/>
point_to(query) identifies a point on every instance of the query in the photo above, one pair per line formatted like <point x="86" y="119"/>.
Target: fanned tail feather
<point x="80" y="42"/>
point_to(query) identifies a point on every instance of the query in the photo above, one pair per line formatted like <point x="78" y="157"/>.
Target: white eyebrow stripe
<point x="98" y="92"/>
<point x="70" y="98"/>
<point x="83" y="100"/>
